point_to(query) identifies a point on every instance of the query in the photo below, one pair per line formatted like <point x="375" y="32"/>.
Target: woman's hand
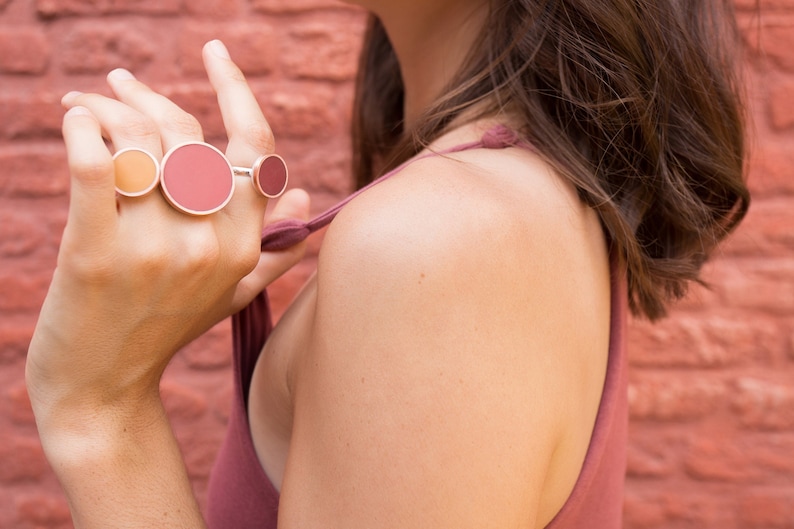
<point x="136" y="279"/>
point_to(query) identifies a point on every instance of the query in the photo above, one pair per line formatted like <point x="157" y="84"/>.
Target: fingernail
<point x="120" y="74"/>
<point x="70" y="96"/>
<point x="219" y="49"/>
<point x="78" y="111"/>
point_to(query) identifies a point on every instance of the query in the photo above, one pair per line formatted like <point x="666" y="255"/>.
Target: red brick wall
<point x="712" y="400"/>
<point x="712" y="393"/>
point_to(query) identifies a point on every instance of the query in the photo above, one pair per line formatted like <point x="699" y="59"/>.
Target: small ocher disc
<point x="136" y="172"/>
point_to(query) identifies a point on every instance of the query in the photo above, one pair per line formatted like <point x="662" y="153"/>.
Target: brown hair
<point x="636" y="102"/>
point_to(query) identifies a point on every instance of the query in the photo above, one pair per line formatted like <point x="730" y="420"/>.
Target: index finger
<point x="248" y="131"/>
<point x="92" y="203"/>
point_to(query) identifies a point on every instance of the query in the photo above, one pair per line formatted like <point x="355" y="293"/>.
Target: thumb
<point x="92" y="203"/>
<point x="294" y="204"/>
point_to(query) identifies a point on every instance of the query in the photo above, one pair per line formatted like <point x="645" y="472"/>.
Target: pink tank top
<point x="240" y="494"/>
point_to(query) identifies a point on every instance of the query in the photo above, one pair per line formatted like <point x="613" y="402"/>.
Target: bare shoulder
<point x="488" y="249"/>
<point x="448" y="306"/>
<point x="486" y="218"/>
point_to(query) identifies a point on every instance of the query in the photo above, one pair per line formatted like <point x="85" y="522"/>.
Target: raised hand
<point x="136" y="279"/>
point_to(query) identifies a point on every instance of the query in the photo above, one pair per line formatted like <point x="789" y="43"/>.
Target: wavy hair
<point x="638" y="103"/>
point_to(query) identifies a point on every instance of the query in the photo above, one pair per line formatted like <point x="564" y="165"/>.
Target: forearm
<point x="120" y="467"/>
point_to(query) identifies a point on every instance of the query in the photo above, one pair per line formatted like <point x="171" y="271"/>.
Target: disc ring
<point x="196" y="178"/>
<point x="269" y="175"/>
<point x="136" y="172"/>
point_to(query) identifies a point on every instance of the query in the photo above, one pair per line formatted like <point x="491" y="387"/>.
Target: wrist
<point x="64" y="391"/>
<point x="74" y="427"/>
<point x="111" y="456"/>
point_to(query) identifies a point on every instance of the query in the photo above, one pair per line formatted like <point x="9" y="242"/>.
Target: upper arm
<point x="428" y="396"/>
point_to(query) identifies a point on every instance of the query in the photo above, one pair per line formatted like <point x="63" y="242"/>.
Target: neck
<point x="431" y="40"/>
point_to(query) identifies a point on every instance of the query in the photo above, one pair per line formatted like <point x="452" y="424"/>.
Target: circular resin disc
<point x="270" y="175"/>
<point x="197" y="178"/>
<point x="136" y="172"/>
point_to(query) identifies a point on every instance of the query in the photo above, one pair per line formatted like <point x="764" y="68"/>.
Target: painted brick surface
<point x="712" y="387"/>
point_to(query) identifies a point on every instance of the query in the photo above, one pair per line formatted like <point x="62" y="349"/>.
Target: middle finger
<point x="174" y="124"/>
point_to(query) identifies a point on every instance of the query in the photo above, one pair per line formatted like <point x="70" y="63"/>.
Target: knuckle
<point x="138" y="127"/>
<point x="90" y="268"/>
<point x="150" y="260"/>
<point x="235" y="75"/>
<point x="247" y="260"/>
<point x="91" y="170"/>
<point x="201" y="255"/>
<point x="242" y="254"/>
<point x="260" y="137"/>
<point x="181" y="122"/>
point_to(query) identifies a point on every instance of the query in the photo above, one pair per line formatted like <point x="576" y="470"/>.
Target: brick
<point x="61" y="8"/>
<point x="253" y="46"/>
<point x="770" y="39"/>
<point x="702" y="342"/>
<point x="771" y="509"/>
<point x="661" y="397"/>
<point x="23" y="292"/>
<point x="765" y="285"/>
<point x="781" y="103"/>
<point x="49" y="180"/>
<point x="222" y="403"/>
<point x="35" y="115"/>
<point x="301" y="113"/>
<point x="641" y="512"/>
<point x="19" y="179"/>
<point x="653" y="454"/>
<point x="200" y="447"/>
<point x="319" y="50"/>
<point x="771" y="170"/>
<point x="676" y="509"/>
<point x="697" y="296"/>
<point x="328" y="185"/>
<point x="25" y="51"/>
<point x="790" y="343"/>
<point x="763" y="5"/>
<point x="771" y="455"/>
<point x="721" y="460"/>
<point x="14" y="341"/>
<point x="764" y="404"/>
<point x="765" y="231"/>
<point x="95" y="49"/>
<point x="291" y="6"/>
<point x="21" y="460"/>
<point x="778" y="40"/>
<point x="753" y="458"/>
<point x="215" y="9"/>
<point x="43" y="510"/>
<point x="181" y="402"/>
<point x="20" y="411"/>
<point x="284" y="289"/>
<point x="20" y="233"/>
<point x="210" y="352"/>
<point x="200" y="101"/>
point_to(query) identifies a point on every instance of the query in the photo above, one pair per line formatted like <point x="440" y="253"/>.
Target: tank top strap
<point x="286" y="233"/>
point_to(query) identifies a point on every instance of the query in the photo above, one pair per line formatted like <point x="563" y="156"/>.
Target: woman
<point x="457" y="360"/>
